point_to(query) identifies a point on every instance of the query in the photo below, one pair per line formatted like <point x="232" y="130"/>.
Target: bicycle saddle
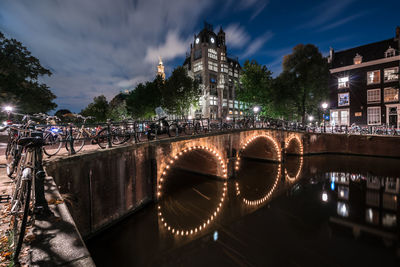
<point x="31" y="141"/>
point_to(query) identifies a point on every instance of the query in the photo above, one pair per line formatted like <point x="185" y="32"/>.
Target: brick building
<point x="217" y="73"/>
<point x="364" y="84"/>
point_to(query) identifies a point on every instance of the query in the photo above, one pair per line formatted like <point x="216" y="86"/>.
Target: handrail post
<point x="71" y="141"/>
<point x="109" y="144"/>
<point x="176" y="128"/>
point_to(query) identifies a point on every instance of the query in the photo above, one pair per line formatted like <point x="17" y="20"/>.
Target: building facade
<point x="364" y="84"/>
<point x="217" y="73"/>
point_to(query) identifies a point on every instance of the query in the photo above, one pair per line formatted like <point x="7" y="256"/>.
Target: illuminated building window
<point x="391" y="94"/>
<point x="343" y="209"/>
<point x="213" y="66"/>
<point x="223" y="57"/>
<point x="212" y="53"/>
<point x="389" y="220"/>
<point x="392" y="185"/>
<point x="197" y="67"/>
<point x="390" y="52"/>
<point x="343" y="82"/>
<point x="374" y="96"/>
<point x="213" y="101"/>
<point x="372" y="216"/>
<point x="357" y="59"/>
<point x="389" y="201"/>
<point x="343" y="192"/>
<point x="224" y="68"/>
<point x="374" y="115"/>
<point x="391" y="74"/>
<point x="343" y="99"/>
<point x="373" y="77"/>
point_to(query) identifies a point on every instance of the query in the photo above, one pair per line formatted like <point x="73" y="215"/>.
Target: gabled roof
<point x="368" y="52"/>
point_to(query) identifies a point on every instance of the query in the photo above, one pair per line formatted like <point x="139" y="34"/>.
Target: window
<point x="344" y="117"/>
<point x="391" y="74"/>
<point x="373" y="77"/>
<point x="374" y="96"/>
<point x="213" y="78"/>
<point x="236" y="74"/>
<point x="391" y="94"/>
<point x="212" y="53"/>
<point x="223" y="57"/>
<point x="390" y="52"/>
<point x="374" y="115"/>
<point x="199" y="78"/>
<point x="357" y="59"/>
<point x="335" y="118"/>
<point x="213" y="66"/>
<point x="343" y="82"/>
<point x="197" y="67"/>
<point x="197" y="54"/>
<point x="225" y="103"/>
<point x="230" y="72"/>
<point x="343" y="99"/>
<point x="224" y="68"/>
<point x="213" y="101"/>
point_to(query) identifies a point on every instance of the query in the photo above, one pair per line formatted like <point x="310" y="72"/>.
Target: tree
<point x="303" y="83"/>
<point x="180" y="92"/>
<point x="19" y="75"/>
<point x="117" y="108"/>
<point x="142" y="101"/>
<point x="98" y="109"/>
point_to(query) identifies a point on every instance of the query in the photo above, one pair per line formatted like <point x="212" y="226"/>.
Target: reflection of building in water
<point x="365" y="203"/>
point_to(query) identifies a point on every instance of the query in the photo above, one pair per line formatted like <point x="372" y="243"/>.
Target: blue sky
<point x="103" y="46"/>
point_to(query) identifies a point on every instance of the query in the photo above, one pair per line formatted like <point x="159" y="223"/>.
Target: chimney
<point x="397" y="32"/>
<point x="331" y="53"/>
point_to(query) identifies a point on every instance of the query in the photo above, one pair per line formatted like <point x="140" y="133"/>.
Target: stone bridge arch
<point x="293" y="144"/>
<point x="260" y="145"/>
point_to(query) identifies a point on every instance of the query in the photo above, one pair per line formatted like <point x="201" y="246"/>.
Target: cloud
<point x="257" y="6"/>
<point x="326" y="11"/>
<point x="236" y="36"/>
<point x="257" y="44"/>
<point x="99" y="47"/>
<point x="173" y="47"/>
<point x="341" y="22"/>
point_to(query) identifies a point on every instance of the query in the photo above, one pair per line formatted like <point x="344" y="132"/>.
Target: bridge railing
<point x="74" y="136"/>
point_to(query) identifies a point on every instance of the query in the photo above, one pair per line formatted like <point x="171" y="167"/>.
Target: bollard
<point x="109" y="145"/>
<point x="71" y="141"/>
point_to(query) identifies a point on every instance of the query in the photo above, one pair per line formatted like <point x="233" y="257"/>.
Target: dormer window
<point x="390" y="52"/>
<point x="357" y="59"/>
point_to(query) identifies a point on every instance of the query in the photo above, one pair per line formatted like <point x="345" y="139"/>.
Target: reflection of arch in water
<point x="294" y="178"/>
<point x="186" y="151"/>
<point x="265" y="197"/>
<point x="289" y="141"/>
<point x="201" y="226"/>
<point x="251" y="140"/>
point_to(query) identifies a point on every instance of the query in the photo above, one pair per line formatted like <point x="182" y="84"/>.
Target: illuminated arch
<point x="252" y="139"/>
<point x="265" y="197"/>
<point x="292" y="179"/>
<point x="185" y="232"/>
<point x="295" y="137"/>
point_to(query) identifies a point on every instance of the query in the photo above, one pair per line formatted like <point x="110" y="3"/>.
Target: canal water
<point x="310" y="211"/>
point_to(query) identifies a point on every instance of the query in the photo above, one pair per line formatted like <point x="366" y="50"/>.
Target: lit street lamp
<point x="256" y="109"/>
<point x="8" y="110"/>
<point x="310" y="118"/>
<point x="324" y="107"/>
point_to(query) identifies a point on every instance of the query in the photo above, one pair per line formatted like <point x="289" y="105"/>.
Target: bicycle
<point x="24" y="201"/>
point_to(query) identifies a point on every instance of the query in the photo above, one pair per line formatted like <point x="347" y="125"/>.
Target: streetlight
<point x="256" y="109"/>
<point x="8" y="110"/>
<point x="324" y="107"/>
<point x="310" y="118"/>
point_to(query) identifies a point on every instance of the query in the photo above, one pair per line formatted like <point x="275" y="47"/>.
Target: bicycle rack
<point x="4" y="198"/>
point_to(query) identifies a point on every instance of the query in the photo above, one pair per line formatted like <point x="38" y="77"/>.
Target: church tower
<point x="160" y="69"/>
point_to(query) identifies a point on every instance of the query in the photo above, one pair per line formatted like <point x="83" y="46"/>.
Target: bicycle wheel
<point x="11" y="161"/>
<point x="79" y="141"/>
<point x="188" y="128"/>
<point x="53" y="143"/>
<point x="101" y="138"/>
<point x="20" y="210"/>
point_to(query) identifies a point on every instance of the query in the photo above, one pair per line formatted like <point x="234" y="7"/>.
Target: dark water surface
<point x="311" y="211"/>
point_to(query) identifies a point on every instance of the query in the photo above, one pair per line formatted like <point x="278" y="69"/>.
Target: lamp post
<point x="8" y="110"/>
<point x="256" y="109"/>
<point x="324" y="107"/>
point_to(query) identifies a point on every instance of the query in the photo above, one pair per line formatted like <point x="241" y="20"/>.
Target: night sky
<point x="103" y="46"/>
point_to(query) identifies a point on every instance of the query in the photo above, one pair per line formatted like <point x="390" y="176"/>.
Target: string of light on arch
<point x="185" y="232"/>
<point x="266" y="196"/>
<point x="292" y="179"/>
<point x="237" y="164"/>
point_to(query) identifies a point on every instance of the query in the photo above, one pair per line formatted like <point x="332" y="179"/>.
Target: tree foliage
<point x="98" y="108"/>
<point x="19" y="75"/>
<point x="175" y="95"/>
<point x="303" y="83"/>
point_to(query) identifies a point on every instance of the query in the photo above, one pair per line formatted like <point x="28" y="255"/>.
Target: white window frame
<point x="213" y="66"/>
<point x="378" y="114"/>
<point x="345" y="105"/>
<point x="390" y="52"/>
<point x="371" y="93"/>
<point x="386" y="75"/>
<point x="369" y="74"/>
<point x="386" y="90"/>
<point x="343" y="82"/>
<point x="338" y="120"/>
<point x="212" y="53"/>
<point x="198" y="66"/>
